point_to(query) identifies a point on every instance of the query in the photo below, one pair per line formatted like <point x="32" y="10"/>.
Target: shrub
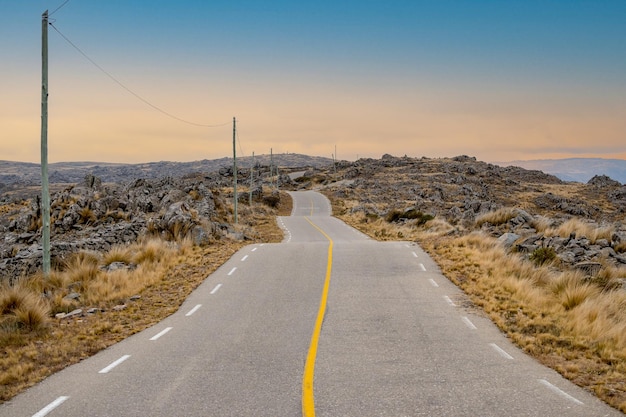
<point x="271" y="200"/>
<point x="395" y="216"/>
<point x="541" y="256"/>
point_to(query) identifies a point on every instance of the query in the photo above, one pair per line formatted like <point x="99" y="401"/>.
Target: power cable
<point x="128" y="89"/>
<point x="239" y="142"/>
<point x="58" y="8"/>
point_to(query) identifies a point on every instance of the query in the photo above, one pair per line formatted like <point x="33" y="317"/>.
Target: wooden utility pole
<point x="235" y="166"/>
<point x="45" y="192"/>
<point x="251" y="179"/>
<point x="272" y="166"/>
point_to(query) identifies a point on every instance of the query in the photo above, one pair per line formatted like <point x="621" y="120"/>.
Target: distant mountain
<point x="74" y="172"/>
<point x="576" y="169"/>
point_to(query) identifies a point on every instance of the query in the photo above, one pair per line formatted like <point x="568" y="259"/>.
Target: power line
<point x="58" y="8"/>
<point x="239" y="142"/>
<point x="128" y="89"/>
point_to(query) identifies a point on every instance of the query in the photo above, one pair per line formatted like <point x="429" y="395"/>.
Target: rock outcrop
<point x="96" y="216"/>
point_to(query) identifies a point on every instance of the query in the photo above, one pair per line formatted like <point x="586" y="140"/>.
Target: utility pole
<point x="335" y="161"/>
<point x="45" y="192"/>
<point x="251" y="179"/>
<point x="235" y="166"/>
<point x="272" y="166"/>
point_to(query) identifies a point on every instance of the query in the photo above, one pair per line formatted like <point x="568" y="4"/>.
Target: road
<point x="398" y="339"/>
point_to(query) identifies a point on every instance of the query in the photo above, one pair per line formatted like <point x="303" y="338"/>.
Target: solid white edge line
<point x="161" y="333"/>
<point x="560" y="392"/>
<point x="422" y="267"/>
<point x="433" y="283"/>
<point x="54" y="404"/>
<point x="217" y="287"/>
<point x="113" y="365"/>
<point x="500" y="351"/>
<point x="244" y="258"/>
<point x="449" y="300"/>
<point x="193" y="310"/>
<point x="232" y="271"/>
<point x="469" y="323"/>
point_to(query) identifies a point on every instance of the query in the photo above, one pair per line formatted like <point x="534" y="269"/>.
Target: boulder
<point x="508" y="239"/>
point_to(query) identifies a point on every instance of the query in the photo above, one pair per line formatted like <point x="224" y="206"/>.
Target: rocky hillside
<point x="93" y="215"/>
<point x="529" y="210"/>
<point x="526" y="206"/>
<point x="21" y="173"/>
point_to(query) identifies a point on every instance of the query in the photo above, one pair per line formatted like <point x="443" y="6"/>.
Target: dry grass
<point x="497" y="217"/>
<point x="33" y="344"/>
<point x="575" y="326"/>
<point x="581" y="229"/>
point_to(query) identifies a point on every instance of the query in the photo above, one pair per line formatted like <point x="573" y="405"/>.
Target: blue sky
<point x="499" y="80"/>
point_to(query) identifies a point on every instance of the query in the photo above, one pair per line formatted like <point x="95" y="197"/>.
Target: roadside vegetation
<point x="569" y="322"/>
<point x="93" y="300"/>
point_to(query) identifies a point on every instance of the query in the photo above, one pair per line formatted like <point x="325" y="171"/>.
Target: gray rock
<point x="589" y="268"/>
<point x="508" y="239"/>
<point x="72" y="296"/>
<point x="73" y="313"/>
<point x="199" y="236"/>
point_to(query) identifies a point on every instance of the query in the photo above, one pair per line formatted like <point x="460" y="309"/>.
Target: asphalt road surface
<point x="397" y="339"/>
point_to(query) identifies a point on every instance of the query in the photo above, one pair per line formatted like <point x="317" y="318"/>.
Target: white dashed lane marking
<point x="107" y="369"/>
<point x="161" y="333"/>
<point x="244" y="258"/>
<point x="193" y="310"/>
<point x="560" y="392"/>
<point x="500" y="351"/>
<point x="433" y="283"/>
<point x="48" y="409"/>
<point x="469" y="323"/>
<point x="232" y="271"/>
<point x="449" y="300"/>
<point x="214" y="290"/>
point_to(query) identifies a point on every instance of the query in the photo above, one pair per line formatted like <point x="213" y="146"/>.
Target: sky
<point x="499" y="80"/>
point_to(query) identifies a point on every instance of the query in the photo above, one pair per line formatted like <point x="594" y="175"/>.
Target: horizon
<point x="501" y="82"/>
<point x="311" y="156"/>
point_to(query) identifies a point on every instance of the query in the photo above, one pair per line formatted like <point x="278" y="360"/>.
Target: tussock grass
<point x="82" y="267"/>
<point x="118" y="253"/>
<point x="541" y="224"/>
<point x="20" y="308"/>
<point x="152" y="251"/>
<point x="497" y="217"/>
<point x="581" y="229"/>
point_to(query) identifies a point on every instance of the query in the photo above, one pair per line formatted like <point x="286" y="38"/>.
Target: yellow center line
<point x="308" y="403"/>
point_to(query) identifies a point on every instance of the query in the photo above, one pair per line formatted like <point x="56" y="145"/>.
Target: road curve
<point x="398" y="339"/>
